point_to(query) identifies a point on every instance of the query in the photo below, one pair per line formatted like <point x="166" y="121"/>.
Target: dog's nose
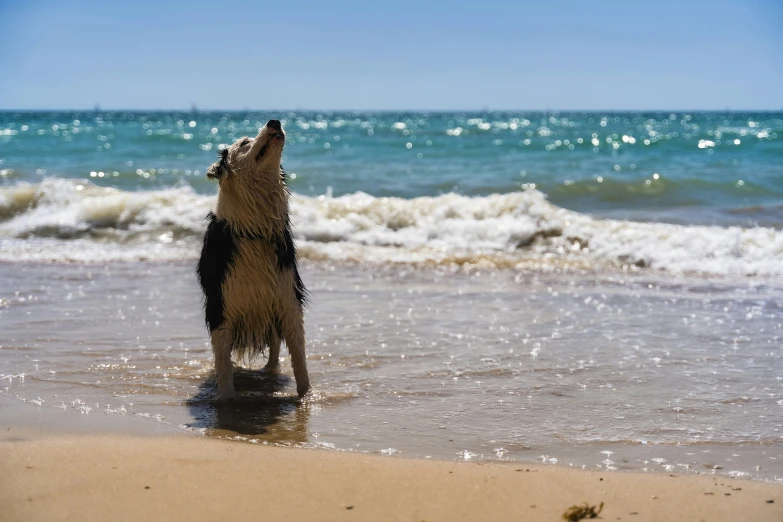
<point x="274" y="124"/>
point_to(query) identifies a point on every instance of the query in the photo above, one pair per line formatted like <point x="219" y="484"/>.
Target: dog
<point x="253" y="294"/>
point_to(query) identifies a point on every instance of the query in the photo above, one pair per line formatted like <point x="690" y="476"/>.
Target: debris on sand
<point x="576" y="513"/>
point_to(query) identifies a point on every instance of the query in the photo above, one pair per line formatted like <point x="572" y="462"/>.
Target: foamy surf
<point x="68" y="220"/>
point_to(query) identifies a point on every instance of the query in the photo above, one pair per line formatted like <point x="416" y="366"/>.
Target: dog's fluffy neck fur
<point x="254" y="204"/>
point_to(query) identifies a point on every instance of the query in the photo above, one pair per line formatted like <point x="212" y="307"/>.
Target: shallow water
<point x="608" y="370"/>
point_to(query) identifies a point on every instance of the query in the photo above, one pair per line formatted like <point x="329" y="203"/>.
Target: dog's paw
<point x="273" y="369"/>
<point x="302" y="388"/>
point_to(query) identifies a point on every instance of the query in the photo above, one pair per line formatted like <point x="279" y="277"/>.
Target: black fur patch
<point x="286" y="253"/>
<point x="220" y="167"/>
<point x="286" y="259"/>
<point x="223" y="163"/>
<point x="217" y="255"/>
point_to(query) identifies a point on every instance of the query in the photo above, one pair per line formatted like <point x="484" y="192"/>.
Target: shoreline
<point x="24" y="421"/>
<point x="128" y="477"/>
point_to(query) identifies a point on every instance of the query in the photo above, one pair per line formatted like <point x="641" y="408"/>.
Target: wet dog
<point x="254" y="297"/>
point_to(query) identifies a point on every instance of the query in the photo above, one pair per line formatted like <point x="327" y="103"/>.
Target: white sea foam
<point x="71" y="209"/>
<point x="66" y="220"/>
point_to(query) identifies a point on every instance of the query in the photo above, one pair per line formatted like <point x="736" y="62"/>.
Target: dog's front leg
<point x="221" y="347"/>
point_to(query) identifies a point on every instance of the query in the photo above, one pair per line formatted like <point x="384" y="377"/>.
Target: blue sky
<point x="371" y="54"/>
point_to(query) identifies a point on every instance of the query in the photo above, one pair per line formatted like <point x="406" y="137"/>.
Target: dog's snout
<point x="274" y="124"/>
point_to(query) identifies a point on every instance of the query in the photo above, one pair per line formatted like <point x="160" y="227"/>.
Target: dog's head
<point x="250" y="157"/>
<point x="253" y="195"/>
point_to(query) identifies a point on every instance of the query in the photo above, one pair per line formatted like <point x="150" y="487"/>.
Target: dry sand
<point x="181" y="477"/>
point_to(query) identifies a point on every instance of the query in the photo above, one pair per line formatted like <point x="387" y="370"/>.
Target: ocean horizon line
<point x="388" y="111"/>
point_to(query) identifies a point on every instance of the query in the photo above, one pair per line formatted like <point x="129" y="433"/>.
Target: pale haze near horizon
<point x="436" y="55"/>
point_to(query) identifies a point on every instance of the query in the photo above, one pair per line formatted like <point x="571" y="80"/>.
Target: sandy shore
<point x="177" y="477"/>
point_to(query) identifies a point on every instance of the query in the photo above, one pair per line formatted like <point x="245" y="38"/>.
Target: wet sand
<point x="185" y="477"/>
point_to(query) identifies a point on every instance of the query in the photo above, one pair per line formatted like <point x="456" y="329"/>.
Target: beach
<point x="104" y="473"/>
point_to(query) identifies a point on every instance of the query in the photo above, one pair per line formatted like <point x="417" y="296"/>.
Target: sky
<point x="392" y="55"/>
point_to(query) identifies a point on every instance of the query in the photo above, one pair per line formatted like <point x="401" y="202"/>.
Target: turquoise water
<point x="683" y="192"/>
<point x="702" y="167"/>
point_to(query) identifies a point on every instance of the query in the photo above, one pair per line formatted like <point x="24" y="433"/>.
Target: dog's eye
<point x="244" y="142"/>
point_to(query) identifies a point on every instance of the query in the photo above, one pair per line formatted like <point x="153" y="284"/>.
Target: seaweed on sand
<point x="577" y="513"/>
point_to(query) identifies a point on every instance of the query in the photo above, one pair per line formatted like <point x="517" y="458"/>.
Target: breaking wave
<point x="67" y="220"/>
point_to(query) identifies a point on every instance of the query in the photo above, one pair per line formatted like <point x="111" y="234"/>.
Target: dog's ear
<point x="220" y="168"/>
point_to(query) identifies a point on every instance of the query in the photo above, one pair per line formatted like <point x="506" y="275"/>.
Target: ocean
<point x="588" y="289"/>
<point x="682" y="192"/>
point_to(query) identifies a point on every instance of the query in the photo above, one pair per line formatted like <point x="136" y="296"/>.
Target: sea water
<point x="592" y="289"/>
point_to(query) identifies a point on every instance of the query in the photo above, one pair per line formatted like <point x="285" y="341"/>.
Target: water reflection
<point x="261" y="410"/>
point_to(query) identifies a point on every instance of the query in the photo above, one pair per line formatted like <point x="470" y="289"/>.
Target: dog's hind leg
<point x="273" y="362"/>
<point x="222" y="340"/>
<point x="293" y="332"/>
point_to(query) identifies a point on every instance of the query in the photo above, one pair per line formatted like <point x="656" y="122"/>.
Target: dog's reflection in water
<point x="258" y="411"/>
